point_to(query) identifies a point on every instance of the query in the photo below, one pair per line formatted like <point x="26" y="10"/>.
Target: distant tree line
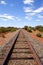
<point x="7" y="29"/>
<point x="29" y="28"/>
<point x="39" y="28"/>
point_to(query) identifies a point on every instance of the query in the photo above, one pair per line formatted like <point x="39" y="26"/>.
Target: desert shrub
<point x="11" y="29"/>
<point x="29" y="30"/>
<point x="3" y="29"/>
<point x="0" y="30"/>
<point x="40" y="28"/>
<point x="34" y="29"/>
<point x="39" y="35"/>
<point x="25" y="27"/>
<point x="7" y="29"/>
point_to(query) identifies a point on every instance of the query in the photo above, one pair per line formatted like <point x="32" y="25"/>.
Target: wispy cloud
<point x="28" y="17"/>
<point x="18" y="19"/>
<point x="38" y="10"/>
<point x="27" y="9"/>
<point x="3" y="2"/>
<point x="28" y="2"/>
<point x="40" y="16"/>
<point x="6" y="17"/>
<point x="31" y="12"/>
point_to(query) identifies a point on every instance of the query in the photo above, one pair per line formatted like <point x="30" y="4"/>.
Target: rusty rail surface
<point x="21" y="42"/>
<point x="12" y="41"/>
<point x="36" y="57"/>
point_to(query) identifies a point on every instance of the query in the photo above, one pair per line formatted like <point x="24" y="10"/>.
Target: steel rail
<point x="13" y="42"/>
<point x="36" y="57"/>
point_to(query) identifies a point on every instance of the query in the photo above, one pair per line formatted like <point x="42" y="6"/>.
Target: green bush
<point x="40" y="28"/>
<point x="29" y="30"/>
<point x="39" y="35"/>
<point x="25" y="27"/>
<point x="7" y="29"/>
<point x="34" y="29"/>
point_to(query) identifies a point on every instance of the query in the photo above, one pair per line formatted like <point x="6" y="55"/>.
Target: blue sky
<point x="19" y="13"/>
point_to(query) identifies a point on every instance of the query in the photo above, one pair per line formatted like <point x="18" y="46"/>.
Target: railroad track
<point x="19" y="52"/>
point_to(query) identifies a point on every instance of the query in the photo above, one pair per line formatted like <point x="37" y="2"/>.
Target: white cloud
<point x="28" y="2"/>
<point x="28" y="16"/>
<point x="6" y="17"/>
<point x="27" y="9"/>
<point x="38" y="10"/>
<point x="31" y="12"/>
<point x="3" y="2"/>
<point x="40" y="16"/>
<point x="17" y="18"/>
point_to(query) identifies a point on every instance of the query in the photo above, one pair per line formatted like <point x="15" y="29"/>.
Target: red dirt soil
<point x="10" y="34"/>
<point x="35" y="37"/>
<point x="7" y="37"/>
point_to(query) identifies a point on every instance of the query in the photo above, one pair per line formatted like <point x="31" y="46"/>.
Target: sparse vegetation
<point x="7" y="29"/>
<point x="29" y="30"/>
<point x="4" y="30"/>
<point x="33" y="29"/>
<point x="40" y="28"/>
<point x="39" y="35"/>
<point x="25" y="27"/>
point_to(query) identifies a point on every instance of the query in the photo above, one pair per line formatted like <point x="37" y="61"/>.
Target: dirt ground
<point x="11" y="34"/>
<point x="33" y="35"/>
<point x="7" y="37"/>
